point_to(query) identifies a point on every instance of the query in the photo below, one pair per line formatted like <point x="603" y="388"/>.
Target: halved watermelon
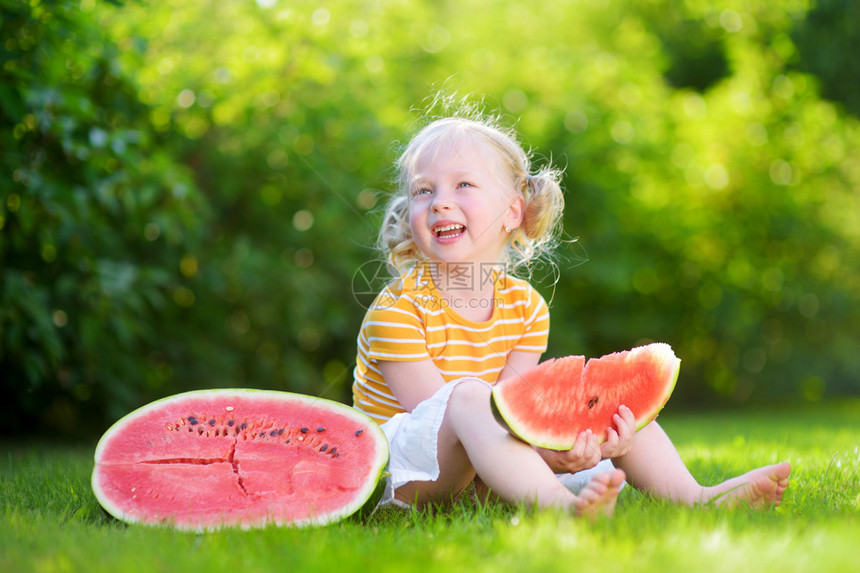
<point x="247" y="458"/>
<point x="551" y="404"/>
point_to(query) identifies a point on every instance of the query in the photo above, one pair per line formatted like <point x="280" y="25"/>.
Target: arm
<point x="518" y="363"/>
<point x="415" y="381"/>
<point x="586" y="452"/>
<point x="411" y="382"/>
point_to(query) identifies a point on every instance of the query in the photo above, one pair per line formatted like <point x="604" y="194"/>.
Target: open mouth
<point x="449" y="231"/>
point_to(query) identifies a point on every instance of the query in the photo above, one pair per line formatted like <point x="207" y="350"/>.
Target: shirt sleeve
<point x="536" y="325"/>
<point x="395" y="333"/>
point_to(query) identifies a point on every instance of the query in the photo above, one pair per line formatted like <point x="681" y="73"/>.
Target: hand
<point x="619" y="439"/>
<point x="584" y="454"/>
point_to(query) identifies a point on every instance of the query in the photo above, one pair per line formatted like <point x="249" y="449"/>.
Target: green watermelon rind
<point x="362" y="505"/>
<point x="502" y="415"/>
<point x="643" y="421"/>
<point x="511" y="420"/>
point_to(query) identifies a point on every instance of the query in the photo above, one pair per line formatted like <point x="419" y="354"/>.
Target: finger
<point x="593" y="441"/>
<point x="594" y="452"/>
<point x="611" y="438"/>
<point x="624" y="420"/>
<point x="624" y="428"/>
<point x="627" y="415"/>
<point x="608" y="447"/>
<point x="590" y="445"/>
<point x="581" y="444"/>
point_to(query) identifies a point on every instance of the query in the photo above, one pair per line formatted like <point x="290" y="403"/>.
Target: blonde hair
<point x="541" y="191"/>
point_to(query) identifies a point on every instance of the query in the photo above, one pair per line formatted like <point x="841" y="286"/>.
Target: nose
<point x="442" y="200"/>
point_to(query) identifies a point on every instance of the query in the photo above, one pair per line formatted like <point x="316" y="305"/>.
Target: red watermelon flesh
<point x="248" y="458"/>
<point x="551" y="404"/>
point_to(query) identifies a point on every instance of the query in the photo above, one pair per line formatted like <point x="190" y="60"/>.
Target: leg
<point x="654" y="466"/>
<point x="471" y="441"/>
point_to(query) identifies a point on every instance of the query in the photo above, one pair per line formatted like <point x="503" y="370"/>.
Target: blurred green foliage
<point x="190" y="190"/>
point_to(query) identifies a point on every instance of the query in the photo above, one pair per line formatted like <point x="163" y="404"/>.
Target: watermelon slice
<point x="208" y="459"/>
<point x="551" y="404"/>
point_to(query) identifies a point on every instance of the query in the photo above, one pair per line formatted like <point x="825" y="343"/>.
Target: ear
<point x="514" y="215"/>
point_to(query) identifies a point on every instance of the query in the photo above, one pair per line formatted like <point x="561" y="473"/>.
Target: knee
<point x="468" y="406"/>
<point x="470" y="393"/>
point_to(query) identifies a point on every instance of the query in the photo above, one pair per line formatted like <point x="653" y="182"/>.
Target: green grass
<point x="52" y="522"/>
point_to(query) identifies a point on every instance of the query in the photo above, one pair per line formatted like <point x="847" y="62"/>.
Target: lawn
<point x="52" y="522"/>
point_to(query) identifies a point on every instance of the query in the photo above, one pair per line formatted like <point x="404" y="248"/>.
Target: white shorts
<point x="412" y="439"/>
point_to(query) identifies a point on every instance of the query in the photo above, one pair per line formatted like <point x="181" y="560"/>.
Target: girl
<point x="466" y="207"/>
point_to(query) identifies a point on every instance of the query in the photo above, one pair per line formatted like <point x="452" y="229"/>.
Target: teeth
<point x="448" y="228"/>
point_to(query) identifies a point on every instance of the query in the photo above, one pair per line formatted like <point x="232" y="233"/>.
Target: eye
<point x="420" y="191"/>
<point x="463" y="184"/>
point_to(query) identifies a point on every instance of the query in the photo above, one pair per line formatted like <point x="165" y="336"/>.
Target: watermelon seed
<point x="281" y="432"/>
<point x="320" y="429"/>
<point x="231" y="422"/>
<point x="304" y="430"/>
<point x="324" y="447"/>
<point x="192" y="420"/>
<point x="243" y="426"/>
<point x="592" y="402"/>
<point x="358" y="432"/>
<point x="212" y="422"/>
<point x="332" y="451"/>
<point x="273" y="433"/>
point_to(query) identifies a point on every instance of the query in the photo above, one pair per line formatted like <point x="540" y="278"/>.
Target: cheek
<point x="416" y="218"/>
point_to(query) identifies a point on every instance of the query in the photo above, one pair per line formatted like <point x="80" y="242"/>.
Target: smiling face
<point x="461" y="199"/>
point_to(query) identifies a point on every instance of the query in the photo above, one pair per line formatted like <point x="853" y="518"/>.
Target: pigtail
<point x="544" y="205"/>
<point x="395" y="238"/>
<point x="541" y="225"/>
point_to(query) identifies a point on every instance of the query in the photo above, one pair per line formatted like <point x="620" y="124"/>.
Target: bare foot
<point x="599" y="496"/>
<point x="759" y="488"/>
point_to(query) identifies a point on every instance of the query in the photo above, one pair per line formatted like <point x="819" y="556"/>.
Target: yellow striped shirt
<point x="409" y="321"/>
